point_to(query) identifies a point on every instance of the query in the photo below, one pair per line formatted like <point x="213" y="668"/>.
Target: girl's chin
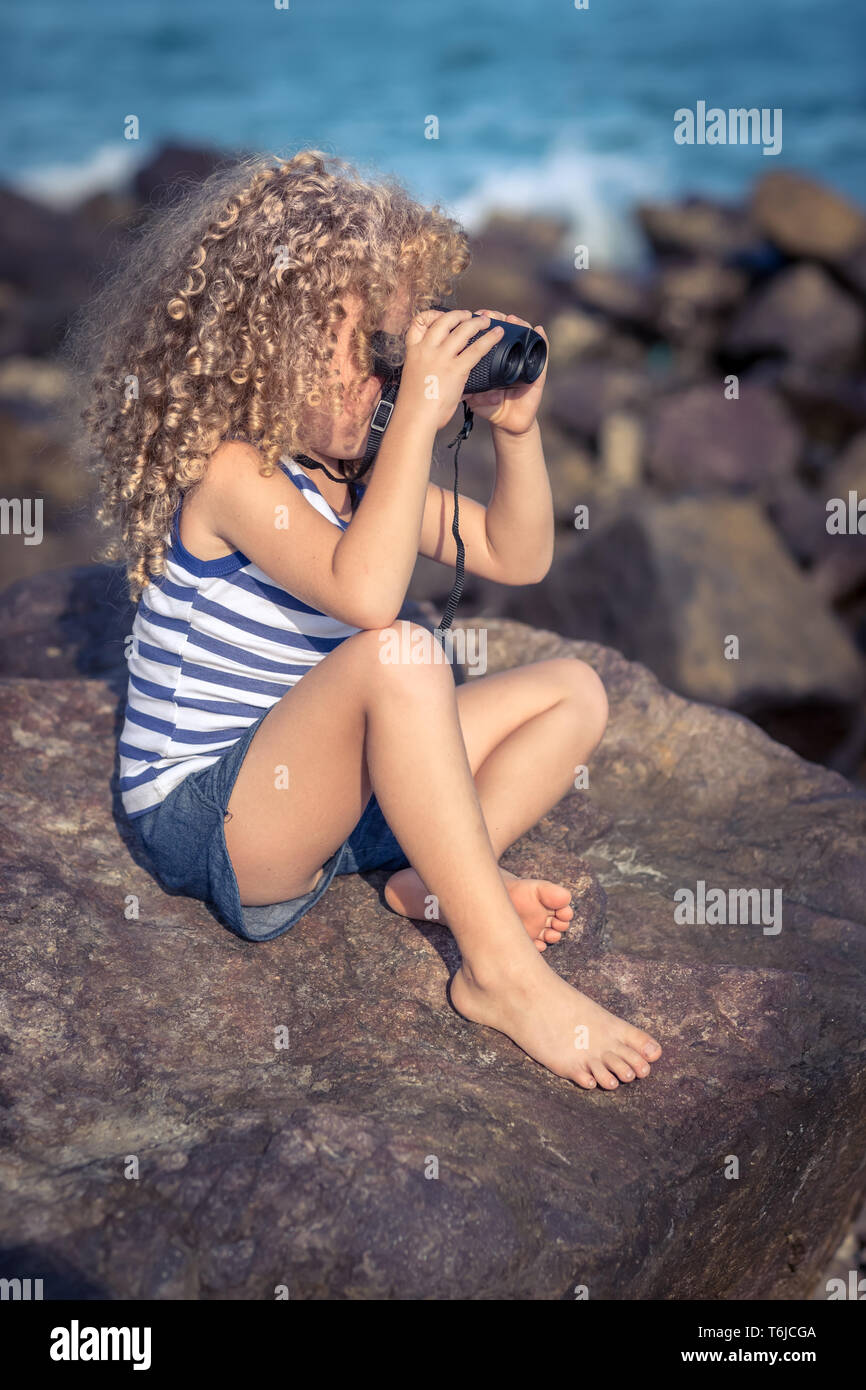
<point x="355" y="448"/>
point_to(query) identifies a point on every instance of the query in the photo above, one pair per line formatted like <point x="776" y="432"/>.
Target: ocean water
<point x="539" y="105"/>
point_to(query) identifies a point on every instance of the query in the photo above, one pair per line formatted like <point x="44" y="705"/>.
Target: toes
<point x="634" y="1059"/>
<point x="642" y="1043"/>
<point x="601" y="1074"/>
<point x="584" y="1078"/>
<point x="619" y="1066"/>
<point x="540" y="945"/>
<point x="553" y="896"/>
<point x="552" y="935"/>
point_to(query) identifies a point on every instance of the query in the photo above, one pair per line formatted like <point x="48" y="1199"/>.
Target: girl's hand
<point x="512" y="411"/>
<point x="438" y="361"/>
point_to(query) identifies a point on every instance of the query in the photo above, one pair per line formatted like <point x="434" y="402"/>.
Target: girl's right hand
<point x="438" y="361"/>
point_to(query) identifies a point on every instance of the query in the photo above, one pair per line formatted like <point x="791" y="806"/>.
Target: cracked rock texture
<point x="312" y="1166"/>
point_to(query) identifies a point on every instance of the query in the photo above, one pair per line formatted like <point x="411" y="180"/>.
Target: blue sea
<point x="539" y="104"/>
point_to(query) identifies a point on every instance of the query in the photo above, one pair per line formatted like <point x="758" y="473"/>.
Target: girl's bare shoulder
<point x="233" y="474"/>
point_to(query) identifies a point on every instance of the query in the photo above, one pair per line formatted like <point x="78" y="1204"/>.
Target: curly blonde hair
<point x="220" y="321"/>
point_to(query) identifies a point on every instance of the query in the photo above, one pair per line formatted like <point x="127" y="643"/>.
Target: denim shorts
<point x="184" y="840"/>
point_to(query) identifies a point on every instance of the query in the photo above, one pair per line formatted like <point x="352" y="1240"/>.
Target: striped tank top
<point x="215" y="644"/>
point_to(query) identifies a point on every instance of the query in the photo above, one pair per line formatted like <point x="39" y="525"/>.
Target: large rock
<point x="703" y="228"/>
<point x="668" y="583"/>
<point x="803" y="315"/>
<point x="49" y="263"/>
<point x="173" y="168"/>
<point x="840" y="565"/>
<point x="509" y="257"/>
<point x="701" y="441"/>
<point x="67" y="622"/>
<point x="37" y="463"/>
<point x="629" y="300"/>
<point x="828" y="405"/>
<point x="153" y="1035"/>
<point x="805" y="219"/>
<point x="582" y="396"/>
<point x="693" y="299"/>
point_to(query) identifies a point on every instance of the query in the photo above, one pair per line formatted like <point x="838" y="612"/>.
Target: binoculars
<point x="519" y="355"/>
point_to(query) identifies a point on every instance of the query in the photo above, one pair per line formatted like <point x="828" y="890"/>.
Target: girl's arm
<point x="359" y="575"/>
<point x="511" y="539"/>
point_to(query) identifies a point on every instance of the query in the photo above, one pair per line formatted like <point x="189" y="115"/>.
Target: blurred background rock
<point x="706" y="515"/>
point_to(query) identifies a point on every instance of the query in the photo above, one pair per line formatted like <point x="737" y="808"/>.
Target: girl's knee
<point x="586" y="687"/>
<point x="404" y="652"/>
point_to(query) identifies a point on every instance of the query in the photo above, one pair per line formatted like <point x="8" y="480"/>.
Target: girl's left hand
<point x="513" y="411"/>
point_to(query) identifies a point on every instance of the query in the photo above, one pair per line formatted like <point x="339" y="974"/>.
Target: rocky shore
<point x="389" y="1149"/>
<point x="700" y="416"/>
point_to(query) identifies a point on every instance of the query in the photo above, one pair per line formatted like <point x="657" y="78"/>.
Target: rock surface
<point x="801" y="313"/>
<point x="154" y="1036"/>
<point x="803" y="218"/>
<point x="669" y="583"/>
<point x="703" y="442"/>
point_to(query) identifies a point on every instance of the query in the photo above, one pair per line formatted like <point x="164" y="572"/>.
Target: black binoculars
<point x="519" y="355"/>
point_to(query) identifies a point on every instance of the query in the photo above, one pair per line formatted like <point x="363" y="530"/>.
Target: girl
<point x="270" y="741"/>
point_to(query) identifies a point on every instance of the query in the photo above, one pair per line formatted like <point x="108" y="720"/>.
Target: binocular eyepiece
<point x="519" y="355"/>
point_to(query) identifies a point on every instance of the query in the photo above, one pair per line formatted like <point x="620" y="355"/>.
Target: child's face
<point x="345" y="436"/>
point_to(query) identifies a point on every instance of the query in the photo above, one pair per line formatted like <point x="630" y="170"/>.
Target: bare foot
<point x="543" y="907"/>
<point x="556" y="1025"/>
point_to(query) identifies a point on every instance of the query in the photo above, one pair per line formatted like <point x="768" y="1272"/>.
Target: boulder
<point x="852" y="270"/>
<point x="668" y="583"/>
<point x="574" y="334"/>
<point x="701" y="441"/>
<point x="172" y="168"/>
<point x="805" y="219"/>
<point x="581" y="396"/>
<point x="49" y="263"/>
<point x="393" y="1150"/>
<point x="803" y="315"/>
<point x="510" y="255"/>
<point x="627" y="300"/>
<point x="700" y="287"/>
<point x="701" y="227"/>
<point x="848" y="473"/>
<point x="840" y="567"/>
<point x="67" y="622"/>
<point x="799" y="514"/>
<point x="693" y="300"/>
<point x="829" y="405"/>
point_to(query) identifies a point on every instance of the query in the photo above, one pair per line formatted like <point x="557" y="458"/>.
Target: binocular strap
<point x="457" y="587"/>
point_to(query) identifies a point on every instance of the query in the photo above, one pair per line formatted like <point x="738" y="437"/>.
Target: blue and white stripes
<point x="215" y="644"/>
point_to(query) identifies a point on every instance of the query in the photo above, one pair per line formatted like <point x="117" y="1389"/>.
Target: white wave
<point x="594" y="191"/>
<point x="62" y="186"/>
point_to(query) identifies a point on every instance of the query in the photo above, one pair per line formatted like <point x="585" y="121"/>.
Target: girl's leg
<point x="357" y="722"/>
<point x="530" y="729"/>
<point x="526" y="731"/>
